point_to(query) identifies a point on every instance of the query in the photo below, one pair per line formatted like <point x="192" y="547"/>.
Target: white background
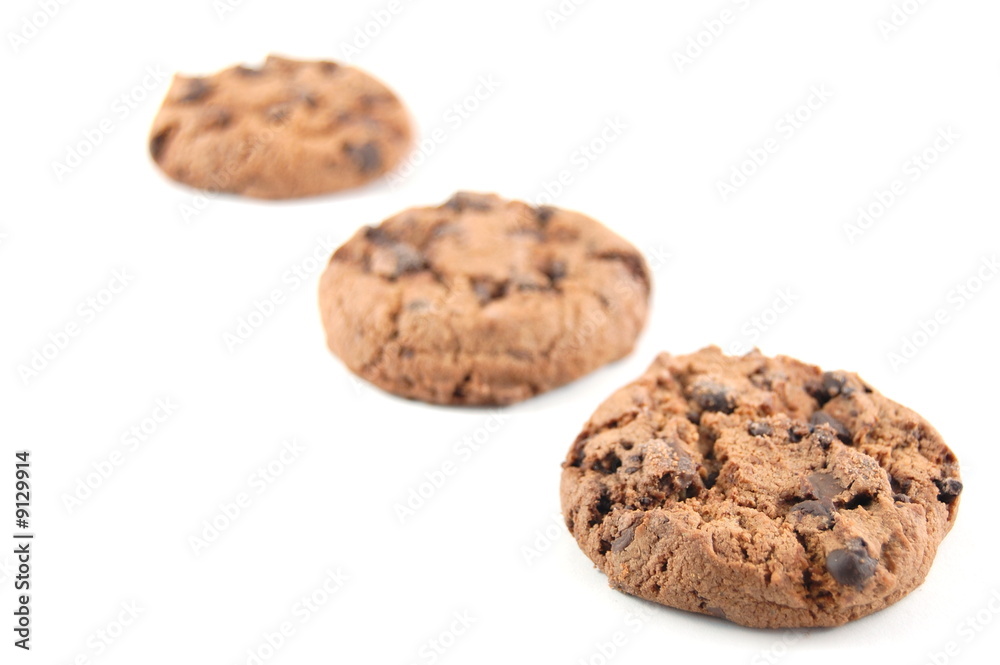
<point x="469" y="547"/>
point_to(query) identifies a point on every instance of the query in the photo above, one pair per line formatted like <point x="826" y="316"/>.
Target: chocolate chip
<point x="328" y="67"/>
<point x="822" y="418"/>
<point x="633" y="262"/>
<point x="408" y="259"/>
<point x="544" y="214"/>
<point x="823" y="438"/>
<point x="555" y="271"/>
<point x="948" y="490"/>
<point x="824" y="486"/>
<point x="821" y="509"/>
<point x="712" y="396"/>
<point x="851" y="566"/>
<point x="278" y="112"/>
<point x="308" y="99"/>
<point x="196" y="90"/>
<point x="624" y="539"/>
<point x="760" y="428"/>
<point x="799" y="431"/>
<point x="243" y="70"/>
<point x="367" y="157"/>
<point x="831" y="384"/>
<point x="378" y="236"/>
<point x="634" y="463"/>
<point x="468" y="201"/>
<point x="488" y="290"/>
<point x="217" y="118"/>
<point x="900" y="485"/>
<point x="158" y="143"/>
<point x="608" y="464"/>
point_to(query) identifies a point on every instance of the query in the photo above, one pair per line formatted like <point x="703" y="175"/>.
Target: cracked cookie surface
<point x="288" y="129"/>
<point x="482" y="300"/>
<point x="759" y="490"/>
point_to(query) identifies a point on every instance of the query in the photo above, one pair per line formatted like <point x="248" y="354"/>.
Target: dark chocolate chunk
<point x="468" y="201"/>
<point x="543" y="214"/>
<point x="823" y="418"/>
<point x="900" y="485"/>
<point x="243" y="70"/>
<point x="279" y="113"/>
<point x="824" y="486"/>
<point x="831" y="384"/>
<point x="158" y="143"/>
<point x="634" y="264"/>
<point x="635" y="463"/>
<point x="408" y="259"/>
<point x="555" y="271"/>
<point x="196" y="90"/>
<point x="378" y="236"/>
<point x="821" y="509"/>
<point x="367" y="157"/>
<point x="488" y="290"/>
<point x="217" y="118"/>
<point x="948" y="490"/>
<point x="624" y="539"/>
<point x="712" y="396"/>
<point x="308" y="99"/>
<point x="851" y="566"/>
<point x="799" y="431"/>
<point x="608" y="464"/>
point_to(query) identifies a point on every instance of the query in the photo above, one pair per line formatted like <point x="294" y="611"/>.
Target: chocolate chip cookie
<point x="759" y="490"/>
<point x="482" y="300"/>
<point x="287" y="129"/>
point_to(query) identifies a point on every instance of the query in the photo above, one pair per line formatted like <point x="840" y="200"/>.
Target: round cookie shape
<point x="482" y="301"/>
<point x="288" y="129"/>
<point x="759" y="490"/>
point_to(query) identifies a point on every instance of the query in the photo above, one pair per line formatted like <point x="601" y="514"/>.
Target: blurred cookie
<point x="759" y="490"/>
<point x="482" y="300"/>
<point x="287" y="129"/>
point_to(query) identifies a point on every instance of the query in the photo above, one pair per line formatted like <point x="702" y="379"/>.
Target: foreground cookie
<point x="759" y="490"/>
<point x="482" y="300"/>
<point x="285" y="130"/>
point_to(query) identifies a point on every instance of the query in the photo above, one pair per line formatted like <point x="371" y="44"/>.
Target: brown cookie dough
<point x="482" y="300"/>
<point x="286" y="130"/>
<point x="759" y="490"/>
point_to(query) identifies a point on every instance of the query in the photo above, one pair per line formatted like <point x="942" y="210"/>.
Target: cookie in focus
<point x="759" y="490"/>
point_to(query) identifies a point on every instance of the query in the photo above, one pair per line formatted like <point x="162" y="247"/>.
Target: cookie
<point x="759" y="490"/>
<point x="287" y="129"/>
<point x="482" y="301"/>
